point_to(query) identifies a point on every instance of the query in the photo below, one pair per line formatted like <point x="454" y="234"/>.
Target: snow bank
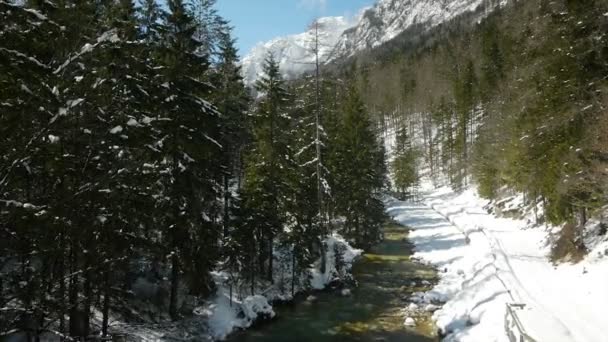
<point x="225" y="316"/>
<point x="348" y="255"/>
<point x="486" y="262"/>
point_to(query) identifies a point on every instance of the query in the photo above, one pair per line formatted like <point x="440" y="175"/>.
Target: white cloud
<point x="319" y="5"/>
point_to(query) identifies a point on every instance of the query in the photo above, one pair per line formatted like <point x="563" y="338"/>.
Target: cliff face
<point x="388" y="18"/>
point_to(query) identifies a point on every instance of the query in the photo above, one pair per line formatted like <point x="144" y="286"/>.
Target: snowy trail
<point x="487" y="262"/>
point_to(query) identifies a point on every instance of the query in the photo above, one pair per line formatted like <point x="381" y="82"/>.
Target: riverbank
<point x="487" y="262"/>
<point x="375" y="310"/>
<point x="231" y="311"/>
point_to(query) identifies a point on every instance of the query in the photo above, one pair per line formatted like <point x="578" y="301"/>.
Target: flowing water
<point x="371" y="313"/>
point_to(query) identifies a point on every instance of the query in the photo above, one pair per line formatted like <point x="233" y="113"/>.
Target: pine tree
<point x="109" y="161"/>
<point x="210" y="26"/>
<point x="360" y="177"/>
<point x="189" y="128"/>
<point x="464" y="95"/>
<point x="149" y="14"/>
<point x="267" y="162"/>
<point x="307" y="225"/>
<point x="404" y="164"/>
<point x="232" y="101"/>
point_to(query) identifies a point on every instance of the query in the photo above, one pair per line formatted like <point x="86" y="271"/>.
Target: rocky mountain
<point x="295" y="53"/>
<point x="343" y="38"/>
<point x="388" y="18"/>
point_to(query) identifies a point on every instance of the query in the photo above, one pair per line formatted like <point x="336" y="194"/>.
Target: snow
<point x="74" y="103"/>
<point x="132" y="123"/>
<point x="388" y="18"/>
<point x="342" y="37"/>
<point x="487" y="262"/>
<point x="110" y="36"/>
<point x="223" y="318"/>
<point x="213" y="141"/>
<point x="53" y="139"/>
<point x="253" y="306"/>
<point x="320" y="280"/>
<point x="116" y="130"/>
<point x="295" y="53"/>
<point x="23" y="56"/>
<point x="409" y="322"/>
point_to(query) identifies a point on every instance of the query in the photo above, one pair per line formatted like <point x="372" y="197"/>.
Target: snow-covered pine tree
<point x="265" y="177"/>
<point x="306" y="232"/>
<point x="232" y="100"/>
<point x="189" y="155"/>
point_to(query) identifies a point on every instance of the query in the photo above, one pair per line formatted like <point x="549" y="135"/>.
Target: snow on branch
<point x="24" y="56"/>
<point x="30" y="11"/>
<point x="108" y="36"/>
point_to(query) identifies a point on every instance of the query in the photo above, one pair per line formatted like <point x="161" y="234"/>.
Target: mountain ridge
<point x="342" y="38"/>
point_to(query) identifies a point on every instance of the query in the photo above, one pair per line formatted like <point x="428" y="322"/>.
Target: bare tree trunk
<point x="106" y="304"/>
<point x="61" y="278"/>
<point x="535" y="208"/>
<point x="252" y="268"/>
<point x="88" y="298"/>
<point x="226" y="218"/>
<point x="270" y="257"/>
<point x="174" y="286"/>
<point x="293" y="271"/>
<point x="583" y="215"/>
<point x="73" y="292"/>
<point x="261" y="253"/>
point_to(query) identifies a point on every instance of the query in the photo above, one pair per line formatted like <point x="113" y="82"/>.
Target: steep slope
<point x="388" y="18"/>
<point x="295" y="53"/>
<point x="342" y="38"/>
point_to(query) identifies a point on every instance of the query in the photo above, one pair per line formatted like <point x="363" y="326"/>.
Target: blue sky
<point x="261" y="20"/>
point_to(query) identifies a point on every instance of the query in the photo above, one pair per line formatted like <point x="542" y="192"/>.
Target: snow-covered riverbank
<point x="487" y="262"/>
<point x="221" y="316"/>
<point x="225" y="317"/>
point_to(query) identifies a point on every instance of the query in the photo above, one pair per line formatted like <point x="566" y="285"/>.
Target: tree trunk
<point x="252" y="270"/>
<point x="535" y="209"/>
<point x="293" y="271"/>
<point x="61" y="277"/>
<point x="323" y="255"/>
<point x="270" y="257"/>
<point x="174" y="286"/>
<point x="88" y="298"/>
<point x="261" y="256"/>
<point x="106" y="304"/>
<point x="231" y="293"/>
<point x="73" y="292"/>
<point x="583" y="214"/>
<point x="226" y="218"/>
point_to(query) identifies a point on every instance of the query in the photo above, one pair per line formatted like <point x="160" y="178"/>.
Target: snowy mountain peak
<point x="388" y="18"/>
<point x="342" y="38"/>
<point x="295" y="53"/>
